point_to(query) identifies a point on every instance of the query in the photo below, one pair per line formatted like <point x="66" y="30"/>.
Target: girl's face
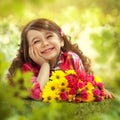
<point x="46" y="42"/>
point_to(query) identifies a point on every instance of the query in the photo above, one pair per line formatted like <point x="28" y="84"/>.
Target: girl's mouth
<point x="46" y="51"/>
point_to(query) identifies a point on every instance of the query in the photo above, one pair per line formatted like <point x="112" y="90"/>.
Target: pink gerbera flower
<point x="98" y="99"/>
<point x="80" y="84"/>
<point x="77" y="99"/>
<point x="100" y="85"/>
<point x="64" y="96"/>
<point x="102" y="93"/>
<point x="84" y="94"/>
<point x="96" y="92"/>
<point x="72" y="91"/>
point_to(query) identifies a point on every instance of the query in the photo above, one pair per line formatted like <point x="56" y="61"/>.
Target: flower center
<point x="49" y="98"/>
<point x="52" y="88"/>
<point x="63" y="84"/>
<point x="57" y="77"/>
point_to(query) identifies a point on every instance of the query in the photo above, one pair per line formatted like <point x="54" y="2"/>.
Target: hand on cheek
<point x="35" y="55"/>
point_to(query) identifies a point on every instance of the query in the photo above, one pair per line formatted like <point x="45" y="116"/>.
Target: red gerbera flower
<point x="84" y="94"/>
<point x="100" y="85"/>
<point x="72" y="91"/>
<point x="77" y="99"/>
<point x="96" y="92"/>
<point x="98" y="99"/>
<point x="64" y="96"/>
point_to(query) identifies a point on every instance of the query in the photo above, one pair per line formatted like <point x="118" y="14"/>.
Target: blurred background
<point x="93" y="24"/>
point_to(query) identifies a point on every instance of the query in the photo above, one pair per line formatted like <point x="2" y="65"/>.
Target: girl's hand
<point x="34" y="55"/>
<point x="108" y="94"/>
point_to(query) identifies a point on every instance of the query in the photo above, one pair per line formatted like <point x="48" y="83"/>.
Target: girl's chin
<point x="49" y="58"/>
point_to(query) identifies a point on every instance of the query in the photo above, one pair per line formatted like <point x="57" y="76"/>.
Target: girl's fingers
<point x="109" y="95"/>
<point x="113" y="95"/>
<point x="34" y="50"/>
<point x="38" y="52"/>
<point x="106" y="96"/>
<point x="31" y="52"/>
<point x="34" y="54"/>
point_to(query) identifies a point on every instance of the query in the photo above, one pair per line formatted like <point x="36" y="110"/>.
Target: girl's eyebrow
<point x="48" y="32"/>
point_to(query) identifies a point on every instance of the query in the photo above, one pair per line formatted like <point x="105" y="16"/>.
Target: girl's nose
<point x="44" y="43"/>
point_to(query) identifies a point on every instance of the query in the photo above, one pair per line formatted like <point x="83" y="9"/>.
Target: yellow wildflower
<point x="50" y="96"/>
<point x="98" y="79"/>
<point x="69" y="72"/>
<point x="57" y="75"/>
<point x="90" y="96"/>
<point x="89" y="86"/>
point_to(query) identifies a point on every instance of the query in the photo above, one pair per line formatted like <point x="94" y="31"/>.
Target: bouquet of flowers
<point x="71" y="86"/>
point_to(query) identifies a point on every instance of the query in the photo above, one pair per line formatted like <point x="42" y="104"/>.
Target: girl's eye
<point x="36" y="41"/>
<point x="49" y="36"/>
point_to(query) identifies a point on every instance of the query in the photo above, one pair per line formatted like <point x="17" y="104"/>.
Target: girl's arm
<point x="44" y="72"/>
<point x="43" y="75"/>
<point x="41" y="79"/>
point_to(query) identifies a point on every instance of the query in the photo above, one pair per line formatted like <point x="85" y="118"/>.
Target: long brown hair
<point x="38" y="24"/>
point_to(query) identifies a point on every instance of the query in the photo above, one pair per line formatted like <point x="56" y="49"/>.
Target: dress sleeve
<point x="35" y="91"/>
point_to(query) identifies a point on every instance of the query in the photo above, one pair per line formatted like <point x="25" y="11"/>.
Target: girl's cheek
<point x="38" y="47"/>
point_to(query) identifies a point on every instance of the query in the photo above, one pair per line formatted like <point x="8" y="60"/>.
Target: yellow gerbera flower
<point x="68" y="72"/>
<point x="50" y="96"/>
<point x="51" y="86"/>
<point x="89" y="86"/>
<point x="51" y="92"/>
<point x="71" y="97"/>
<point x="63" y="83"/>
<point x="57" y="75"/>
<point x="90" y="96"/>
<point x="98" y="79"/>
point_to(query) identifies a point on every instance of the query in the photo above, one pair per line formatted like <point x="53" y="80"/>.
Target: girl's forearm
<point x="43" y="75"/>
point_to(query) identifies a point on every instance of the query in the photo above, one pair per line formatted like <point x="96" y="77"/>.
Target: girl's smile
<point x="47" y="51"/>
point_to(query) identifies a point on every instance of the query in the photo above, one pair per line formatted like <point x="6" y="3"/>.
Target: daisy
<point x="50" y="96"/>
<point x="89" y="86"/>
<point x="63" y="83"/>
<point x="51" y="86"/>
<point x="97" y="79"/>
<point x="90" y="96"/>
<point x="69" y="72"/>
<point x="57" y="75"/>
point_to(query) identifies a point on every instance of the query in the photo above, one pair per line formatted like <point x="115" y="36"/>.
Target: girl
<point x="44" y="47"/>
